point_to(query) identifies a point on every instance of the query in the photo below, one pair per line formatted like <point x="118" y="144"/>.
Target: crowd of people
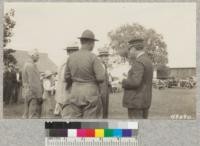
<point x="80" y="89"/>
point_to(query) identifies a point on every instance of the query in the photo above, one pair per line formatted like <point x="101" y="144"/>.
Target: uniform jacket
<point x="138" y="85"/>
<point x="84" y="66"/>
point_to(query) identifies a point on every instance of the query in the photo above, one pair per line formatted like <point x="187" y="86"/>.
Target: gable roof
<point x="44" y="63"/>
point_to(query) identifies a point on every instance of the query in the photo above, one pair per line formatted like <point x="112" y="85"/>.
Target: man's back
<point x="84" y="66"/>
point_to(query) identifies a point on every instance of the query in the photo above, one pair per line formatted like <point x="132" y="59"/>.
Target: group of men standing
<point x="82" y="90"/>
<point x="12" y="84"/>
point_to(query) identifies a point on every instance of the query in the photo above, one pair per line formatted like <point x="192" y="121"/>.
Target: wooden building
<point x="183" y="72"/>
<point x="44" y="63"/>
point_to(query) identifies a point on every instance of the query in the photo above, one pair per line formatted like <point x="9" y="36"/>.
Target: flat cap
<point x="137" y="43"/>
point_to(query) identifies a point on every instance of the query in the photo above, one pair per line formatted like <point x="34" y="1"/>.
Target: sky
<point x="50" y="27"/>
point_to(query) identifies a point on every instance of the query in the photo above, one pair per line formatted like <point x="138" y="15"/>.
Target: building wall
<point x="182" y="72"/>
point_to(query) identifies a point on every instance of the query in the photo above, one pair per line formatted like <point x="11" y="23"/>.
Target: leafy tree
<point x="155" y="46"/>
<point x="8" y="57"/>
<point x="9" y="24"/>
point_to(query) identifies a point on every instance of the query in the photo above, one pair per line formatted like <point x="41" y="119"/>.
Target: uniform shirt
<point x="31" y="81"/>
<point x="84" y="66"/>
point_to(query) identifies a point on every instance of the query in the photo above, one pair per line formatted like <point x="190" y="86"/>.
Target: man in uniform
<point x="104" y="87"/>
<point x="61" y="92"/>
<point x="138" y="85"/>
<point x="85" y="71"/>
<point x="32" y="88"/>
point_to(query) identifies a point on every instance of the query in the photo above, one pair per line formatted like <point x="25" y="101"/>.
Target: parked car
<point x="159" y="84"/>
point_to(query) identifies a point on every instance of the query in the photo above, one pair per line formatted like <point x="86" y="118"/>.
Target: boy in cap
<point x="85" y="71"/>
<point x="138" y="85"/>
<point x="48" y="94"/>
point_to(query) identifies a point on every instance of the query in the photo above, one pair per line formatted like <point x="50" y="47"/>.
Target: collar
<point x="140" y="54"/>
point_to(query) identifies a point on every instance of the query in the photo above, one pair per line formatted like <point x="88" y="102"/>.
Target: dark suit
<point x="138" y="87"/>
<point x="104" y="89"/>
<point x="7" y="86"/>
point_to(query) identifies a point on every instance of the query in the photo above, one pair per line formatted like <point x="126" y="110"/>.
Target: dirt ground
<point x="165" y="103"/>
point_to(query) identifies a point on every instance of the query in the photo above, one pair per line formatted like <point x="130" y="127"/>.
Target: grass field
<point x="165" y="103"/>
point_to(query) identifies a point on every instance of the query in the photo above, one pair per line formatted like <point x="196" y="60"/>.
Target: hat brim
<point x="71" y="49"/>
<point x="48" y="75"/>
<point x="74" y="48"/>
<point x="104" y="55"/>
<point x="88" y="38"/>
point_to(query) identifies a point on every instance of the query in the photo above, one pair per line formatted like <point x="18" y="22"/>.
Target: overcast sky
<point x="50" y="27"/>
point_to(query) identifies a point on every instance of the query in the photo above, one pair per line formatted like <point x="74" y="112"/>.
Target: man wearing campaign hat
<point x="71" y="49"/>
<point x="61" y="93"/>
<point x="138" y="85"/>
<point x="104" y="87"/>
<point x="85" y="71"/>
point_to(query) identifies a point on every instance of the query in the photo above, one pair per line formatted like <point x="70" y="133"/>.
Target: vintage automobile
<point x="159" y="84"/>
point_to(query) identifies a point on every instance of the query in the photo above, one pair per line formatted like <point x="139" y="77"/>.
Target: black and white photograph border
<point x="143" y="56"/>
<point x="152" y="132"/>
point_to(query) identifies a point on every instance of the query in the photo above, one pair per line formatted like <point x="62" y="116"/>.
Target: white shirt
<point x="17" y="75"/>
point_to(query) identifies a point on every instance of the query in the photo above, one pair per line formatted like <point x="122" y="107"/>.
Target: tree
<point x="9" y="24"/>
<point x="154" y="44"/>
<point x="8" y="57"/>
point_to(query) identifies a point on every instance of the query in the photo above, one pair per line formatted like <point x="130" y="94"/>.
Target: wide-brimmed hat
<point x="72" y="48"/>
<point x="48" y="73"/>
<point x="88" y="34"/>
